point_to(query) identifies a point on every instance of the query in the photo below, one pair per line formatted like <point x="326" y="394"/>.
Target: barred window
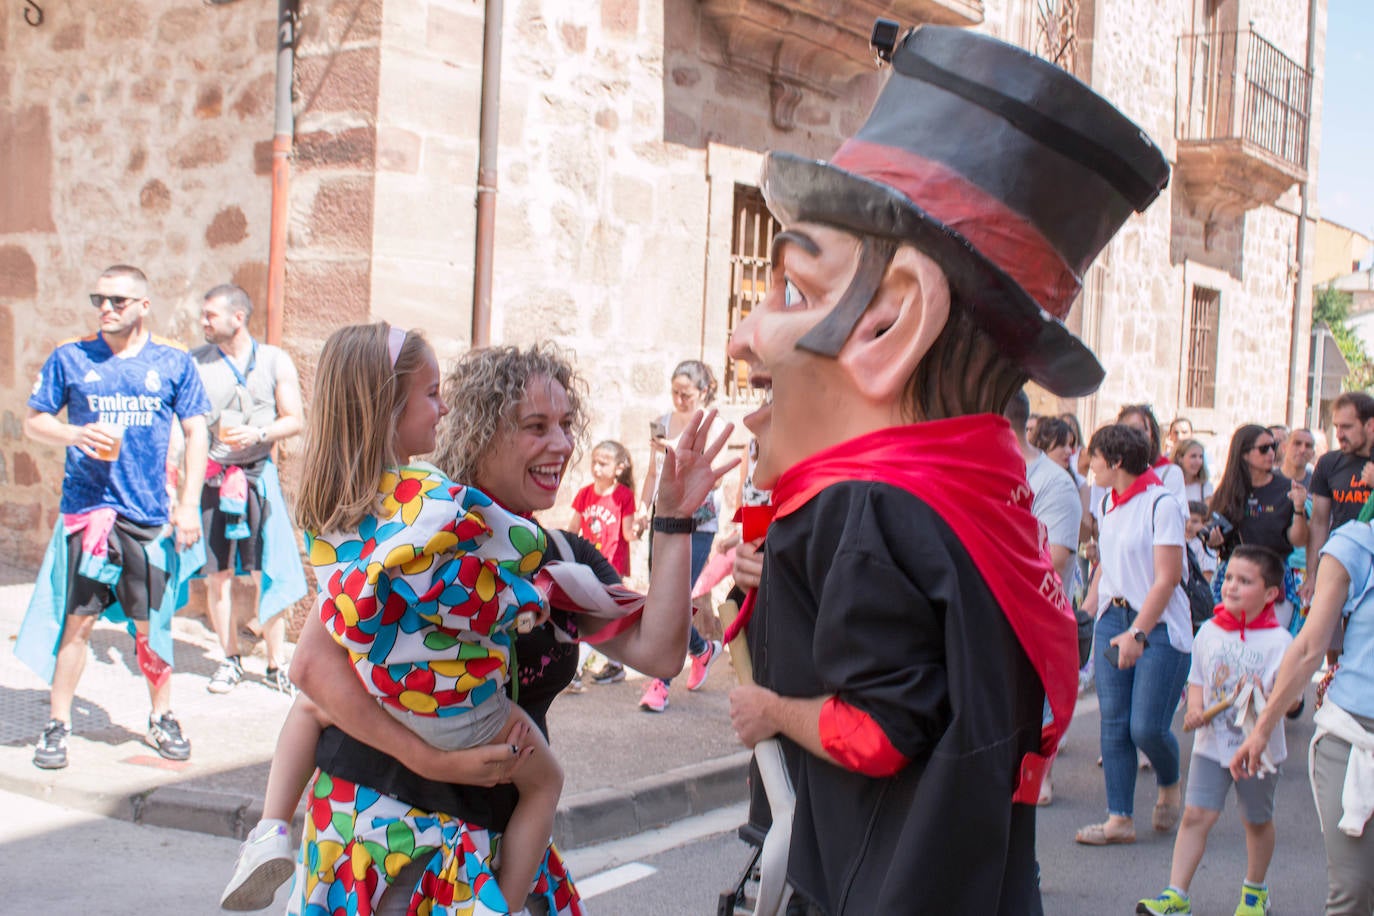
<point x="751" y="241"/>
<point x="1204" y="320"/>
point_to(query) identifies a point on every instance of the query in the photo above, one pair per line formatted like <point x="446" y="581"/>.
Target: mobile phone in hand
<point x="657" y="430"/>
<point x="1112" y="654"/>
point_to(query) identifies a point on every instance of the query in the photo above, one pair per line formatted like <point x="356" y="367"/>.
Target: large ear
<point x="907" y="313"/>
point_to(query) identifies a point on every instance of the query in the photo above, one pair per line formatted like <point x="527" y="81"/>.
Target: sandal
<point x="1097" y="835"/>
<point x="1046" y="793"/>
<point x="1165" y="817"/>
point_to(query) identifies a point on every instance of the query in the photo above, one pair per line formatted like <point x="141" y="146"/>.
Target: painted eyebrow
<point x="800" y="239"/>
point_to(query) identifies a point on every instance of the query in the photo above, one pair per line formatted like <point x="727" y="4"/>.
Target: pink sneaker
<point x="655" y="698"/>
<point x="701" y="665"/>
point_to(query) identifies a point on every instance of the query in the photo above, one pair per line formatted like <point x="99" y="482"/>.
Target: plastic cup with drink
<point x="116" y="432"/>
<point x="228" y="419"/>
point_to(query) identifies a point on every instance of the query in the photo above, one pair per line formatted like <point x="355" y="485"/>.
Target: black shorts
<point x="219" y="549"/>
<point x="140" y="586"/>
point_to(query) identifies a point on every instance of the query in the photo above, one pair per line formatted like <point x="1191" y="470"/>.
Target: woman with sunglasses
<point x="1258" y="505"/>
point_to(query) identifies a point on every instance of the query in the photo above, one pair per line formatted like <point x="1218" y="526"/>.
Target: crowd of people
<point x="928" y="574"/>
<point x="1257" y="537"/>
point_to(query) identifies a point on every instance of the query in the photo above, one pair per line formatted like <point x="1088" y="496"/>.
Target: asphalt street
<point x="131" y="870"/>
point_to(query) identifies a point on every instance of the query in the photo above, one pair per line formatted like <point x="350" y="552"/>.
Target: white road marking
<point x="592" y="859"/>
<point x="588" y="888"/>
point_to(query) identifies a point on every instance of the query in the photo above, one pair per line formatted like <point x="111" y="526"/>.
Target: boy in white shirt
<point x="1242" y="644"/>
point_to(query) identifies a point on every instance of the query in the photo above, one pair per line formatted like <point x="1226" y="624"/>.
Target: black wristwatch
<point x="667" y="524"/>
<point x="1138" y="635"/>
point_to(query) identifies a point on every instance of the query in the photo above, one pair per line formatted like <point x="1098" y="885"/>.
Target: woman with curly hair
<point x="516" y="419"/>
<point x="1258" y="505"/>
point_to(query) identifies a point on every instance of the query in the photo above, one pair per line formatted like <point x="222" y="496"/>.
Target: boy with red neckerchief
<point x="1239" y="648"/>
<point x="909" y="626"/>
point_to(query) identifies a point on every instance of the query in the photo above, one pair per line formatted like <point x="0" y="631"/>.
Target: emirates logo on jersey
<point x="152" y="381"/>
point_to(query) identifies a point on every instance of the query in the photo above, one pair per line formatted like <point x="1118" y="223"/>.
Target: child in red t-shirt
<point x="604" y="510"/>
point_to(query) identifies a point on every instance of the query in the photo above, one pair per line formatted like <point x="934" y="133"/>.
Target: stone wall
<point x="623" y="133"/>
<point x="142" y="132"/>
<point x="126" y="135"/>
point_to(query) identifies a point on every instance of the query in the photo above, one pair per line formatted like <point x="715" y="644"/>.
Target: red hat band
<point x="1000" y="234"/>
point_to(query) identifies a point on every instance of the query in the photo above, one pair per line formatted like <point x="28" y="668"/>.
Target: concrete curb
<point x="584" y="819"/>
<point x="610" y="813"/>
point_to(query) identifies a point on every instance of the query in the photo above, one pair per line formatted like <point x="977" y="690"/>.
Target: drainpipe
<point x="486" y="174"/>
<point x="1293" y="415"/>
<point x="285" y="128"/>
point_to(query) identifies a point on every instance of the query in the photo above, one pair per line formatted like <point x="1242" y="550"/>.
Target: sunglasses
<point x="1264" y="449"/>
<point x="118" y="303"/>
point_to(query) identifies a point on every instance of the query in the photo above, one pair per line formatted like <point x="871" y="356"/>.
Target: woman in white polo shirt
<point x="1144" y="632"/>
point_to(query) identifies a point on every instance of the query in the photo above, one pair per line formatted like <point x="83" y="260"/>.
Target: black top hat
<point x="1005" y="169"/>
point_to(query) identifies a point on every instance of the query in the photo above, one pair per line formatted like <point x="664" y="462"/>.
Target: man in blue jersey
<point x="121" y="388"/>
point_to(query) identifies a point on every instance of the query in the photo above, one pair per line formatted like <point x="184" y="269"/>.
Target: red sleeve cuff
<point x="857" y="743"/>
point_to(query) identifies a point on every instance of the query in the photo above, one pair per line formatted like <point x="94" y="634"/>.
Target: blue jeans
<point x="1137" y="708"/>
<point x="701" y="552"/>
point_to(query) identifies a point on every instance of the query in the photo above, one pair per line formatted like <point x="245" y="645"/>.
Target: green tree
<point x="1333" y="308"/>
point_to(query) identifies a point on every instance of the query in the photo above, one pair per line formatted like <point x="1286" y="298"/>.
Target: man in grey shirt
<point x="255" y="392"/>
<point x="1055" y="500"/>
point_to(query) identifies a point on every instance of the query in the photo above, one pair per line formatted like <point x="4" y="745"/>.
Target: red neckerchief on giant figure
<point x="969" y="470"/>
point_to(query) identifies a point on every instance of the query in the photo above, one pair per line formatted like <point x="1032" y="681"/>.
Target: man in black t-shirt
<point x="1338" y="494"/>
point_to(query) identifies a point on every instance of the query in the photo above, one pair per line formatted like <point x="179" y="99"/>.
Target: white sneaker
<point x="265" y="862"/>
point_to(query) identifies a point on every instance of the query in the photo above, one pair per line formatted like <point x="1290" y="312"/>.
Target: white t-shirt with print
<point x="1126" y="540"/>
<point x="1220" y="660"/>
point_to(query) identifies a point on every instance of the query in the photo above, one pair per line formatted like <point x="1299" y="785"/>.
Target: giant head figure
<point x="924" y="272"/>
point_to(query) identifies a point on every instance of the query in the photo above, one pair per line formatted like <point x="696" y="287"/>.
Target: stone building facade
<point x="628" y="227"/>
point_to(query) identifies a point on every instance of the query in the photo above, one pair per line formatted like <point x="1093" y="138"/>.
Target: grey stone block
<point x="661" y="799"/>
<point x="192" y="809"/>
<point x="591" y="817"/>
<point x="718" y="783"/>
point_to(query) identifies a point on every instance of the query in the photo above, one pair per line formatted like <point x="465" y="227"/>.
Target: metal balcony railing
<point x="1237" y="86"/>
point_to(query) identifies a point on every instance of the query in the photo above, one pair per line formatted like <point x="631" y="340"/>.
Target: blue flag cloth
<point x="283" y="575"/>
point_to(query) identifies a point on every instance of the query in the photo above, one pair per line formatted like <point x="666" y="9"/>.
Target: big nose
<point x="741" y="345"/>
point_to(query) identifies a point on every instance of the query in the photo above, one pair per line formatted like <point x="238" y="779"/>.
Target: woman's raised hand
<point x="687" y="476"/>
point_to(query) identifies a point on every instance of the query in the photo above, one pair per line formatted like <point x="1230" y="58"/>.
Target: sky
<point x="1345" y="169"/>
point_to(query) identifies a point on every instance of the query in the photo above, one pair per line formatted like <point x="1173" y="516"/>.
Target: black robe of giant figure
<point x="867" y="594"/>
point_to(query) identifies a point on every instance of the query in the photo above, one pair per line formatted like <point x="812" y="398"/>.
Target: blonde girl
<point x="1188" y="455"/>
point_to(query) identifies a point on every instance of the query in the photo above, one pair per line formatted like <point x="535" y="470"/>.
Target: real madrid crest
<point x="152" y="381"/>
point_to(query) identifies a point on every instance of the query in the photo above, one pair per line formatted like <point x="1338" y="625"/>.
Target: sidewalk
<point x="625" y="770"/>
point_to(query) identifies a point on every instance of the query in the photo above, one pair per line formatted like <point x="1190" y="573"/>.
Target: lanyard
<point x="241" y="377"/>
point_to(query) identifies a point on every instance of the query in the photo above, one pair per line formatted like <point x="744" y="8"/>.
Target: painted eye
<point x="791" y="296"/>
